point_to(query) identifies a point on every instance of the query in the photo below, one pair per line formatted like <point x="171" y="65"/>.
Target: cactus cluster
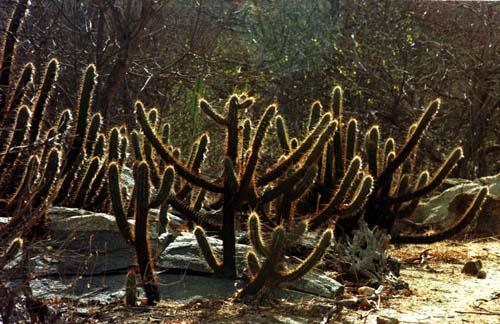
<point x="273" y="270"/>
<point x="396" y="190"/>
<point x="41" y="165"/>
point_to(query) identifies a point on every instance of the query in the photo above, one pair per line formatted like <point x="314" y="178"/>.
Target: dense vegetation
<point x="321" y="176"/>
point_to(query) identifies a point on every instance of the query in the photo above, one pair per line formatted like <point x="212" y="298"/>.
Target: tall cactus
<point x="139" y="236"/>
<point x="392" y="197"/>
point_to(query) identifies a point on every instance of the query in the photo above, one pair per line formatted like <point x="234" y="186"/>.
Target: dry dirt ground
<point x="438" y="293"/>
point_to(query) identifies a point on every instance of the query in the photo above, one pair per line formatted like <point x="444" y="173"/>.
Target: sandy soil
<point x="439" y="293"/>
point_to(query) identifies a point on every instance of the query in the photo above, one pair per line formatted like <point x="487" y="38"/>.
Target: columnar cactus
<point x="139" y="236"/>
<point x="393" y="197"/>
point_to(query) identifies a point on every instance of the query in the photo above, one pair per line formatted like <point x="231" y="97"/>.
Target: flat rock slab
<point x="90" y="245"/>
<point x="183" y="254"/>
<point x="444" y="209"/>
<point x="109" y="288"/>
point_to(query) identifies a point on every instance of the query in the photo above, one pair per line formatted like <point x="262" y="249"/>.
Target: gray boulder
<point x="442" y="210"/>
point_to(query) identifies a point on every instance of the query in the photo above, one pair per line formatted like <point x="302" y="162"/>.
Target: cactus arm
<point x="137" y="145"/>
<point x="86" y="182"/>
<point x="436" y="180"/>
<point x="210" y="112"/>
<point x="12" y="250"/>
<point x="9" y="48"/>
<point x="268" y="269"/>
<point x="343" y="212"/>
<point x="199" y="199"/>
<point x="372" y="149"/>
<point x="337" y="102"/>
<point x="167" y="156"/>
<point x="411" y="142"/>
<point x="255" y="235"/>
<point x="200" y="153"/>
<point x="19" y="91"/>
<point x="278" y="169"/>
<point x="304" y="185"/>
<point x="48" y="180"/>
<point x="117" y="203"/>
<point x="26" y="182"/>
<point x="360" y="197"/>
<point x="248" y="174"/>
<point x="286" y="185"/>
<point x="340" y="195"/>
<point x="317" y="149"/>
<point x="206" y="250"/>
<point x="42" y="98"/>
<point x="92" y="133"/>
<point x="389" y="146"/>
<point x="85" y="98"/>
<point x="314" y="115"/>
<point x="253" y="263"/>
<point x="165" y="187"/>
<point x="142" y="246"/>
<point x="231" y="182"/>
<point x="351" y="139"/>
<point x="456" y="228"/>
<point x="192" y="215"/>
<point x="16" y="139"/>
<point x="245" y="137"/>
<point x="97" y="185"/>
<point x="163" y="217"/>
<point x="408" y="210"/>
<point x="312" y="260"/>
<point x="282" y="132"/>
<point x="232" y="134"/>
<point x="63" y="124"/>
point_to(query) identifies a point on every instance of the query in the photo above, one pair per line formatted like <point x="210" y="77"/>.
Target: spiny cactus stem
<point x="206" y="250"/>
<point x="415" y="137"/>
<point x="351" y="139"/>
<point x="165" y="187"/>
<point x="314" y="115"/>
<point x="312" y="260"/>
<point x="258" y="139"/>
<point x="207" y="109"/>
<point x="232" y="134"/>
<point x="268" y="269"/>
<point x="363" y="191"/>
<point x="253" y="263"/>
<point x="42" y="98"/>
<point x="117" y="203"/>
<point x="142" y="246"/>
<point x="170" y="159"/>
<point x="440" y="175"/>
<point x="255" y="235"/>
<point x="17" y="138"/>
<point x="9" y="49"/>
<point x="278" y="169"/>
<point x="286" y="185"/>
<point x="25" y="78"/>
<point x="282" y="132"/>
<point x="340" y="195"/>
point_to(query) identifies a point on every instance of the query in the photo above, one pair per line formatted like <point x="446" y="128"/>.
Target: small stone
<point x="367" y="291"/>
<point x="387" y="320"/>
<point x="481" y="274"/>
<point x="472" y="267"/>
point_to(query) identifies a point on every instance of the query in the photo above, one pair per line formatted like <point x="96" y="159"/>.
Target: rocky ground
<point x="79" y="272"/>
<point x="437" y="291"/>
